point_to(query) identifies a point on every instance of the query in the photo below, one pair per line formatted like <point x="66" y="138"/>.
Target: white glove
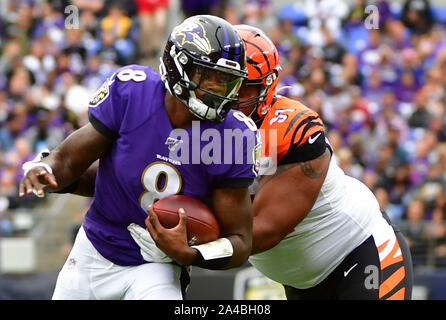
<point x="149" y="251"/>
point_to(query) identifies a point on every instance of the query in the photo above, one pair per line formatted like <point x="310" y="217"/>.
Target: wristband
<point x="220" y="248"/>
<point x="27" y="166"/>
<point x="36" y="162"/>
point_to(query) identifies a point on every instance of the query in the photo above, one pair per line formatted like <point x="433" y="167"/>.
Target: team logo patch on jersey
<point x="193" y="33"/>
<point x="100" y="95"/>
<point x="172" y="143"/>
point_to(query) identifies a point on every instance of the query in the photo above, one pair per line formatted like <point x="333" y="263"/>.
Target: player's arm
<point x="85" y="184"/>
<point x="284" y="199"/>
<point x="232" y="207"/>
<point x="67" y="162"/>
<point x="62" y="170"/>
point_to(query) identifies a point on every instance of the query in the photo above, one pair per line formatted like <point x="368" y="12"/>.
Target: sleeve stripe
<point x="100" y="127"/>
<point x="308" y="123"/>
<point x="293" y="121"/>
<point x="307" y="132"/>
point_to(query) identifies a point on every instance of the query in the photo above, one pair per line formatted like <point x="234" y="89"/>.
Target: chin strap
<point x="203" y="111"/>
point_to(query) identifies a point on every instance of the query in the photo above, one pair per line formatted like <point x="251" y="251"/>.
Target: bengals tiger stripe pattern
<point x="293" y="123"/>
<point x="257" y="48"/>
<point x="393" y="271"/>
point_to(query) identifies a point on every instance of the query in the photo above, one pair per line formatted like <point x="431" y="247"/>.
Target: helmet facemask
<point x="260" y="103"/>
<point x="216" y="88"/>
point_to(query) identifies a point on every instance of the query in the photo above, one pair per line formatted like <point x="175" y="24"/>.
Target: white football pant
<point x="86" y="275"/>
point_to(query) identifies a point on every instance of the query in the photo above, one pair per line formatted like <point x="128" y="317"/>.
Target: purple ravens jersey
<point x="149" y="159"/>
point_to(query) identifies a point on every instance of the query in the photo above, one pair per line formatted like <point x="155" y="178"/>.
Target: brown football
<point x="202" y="226"/>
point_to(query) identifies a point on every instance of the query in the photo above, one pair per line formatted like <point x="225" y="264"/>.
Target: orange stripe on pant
<point x="390" y="259"/>
<point x="391" y="282"/>
<point x="399" y="295"/>
<point x="381" y="247"/>
<point x="394" y="279"/>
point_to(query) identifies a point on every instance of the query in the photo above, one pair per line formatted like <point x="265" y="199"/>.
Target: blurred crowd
<point x="374" y="70"/>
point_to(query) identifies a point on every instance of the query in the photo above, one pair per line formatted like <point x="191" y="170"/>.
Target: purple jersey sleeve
<point x="108" y="110"/>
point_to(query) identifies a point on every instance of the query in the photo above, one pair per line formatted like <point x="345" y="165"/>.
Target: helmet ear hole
<point x="177" y="89"/>
<point x="269" y="79"/>
<point x="182" y="58"/>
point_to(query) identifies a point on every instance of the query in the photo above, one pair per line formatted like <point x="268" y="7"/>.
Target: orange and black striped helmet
<point x="263" y="64"/>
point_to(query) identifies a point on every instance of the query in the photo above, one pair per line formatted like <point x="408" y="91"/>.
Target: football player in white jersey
<point x="317" y="231"/>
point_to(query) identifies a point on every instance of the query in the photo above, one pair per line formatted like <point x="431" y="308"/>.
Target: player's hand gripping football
<point x="172" y="241"/>
<point x="36" y="175"/>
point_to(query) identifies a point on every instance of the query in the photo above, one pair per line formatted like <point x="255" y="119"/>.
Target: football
<point x="202" y="226"/>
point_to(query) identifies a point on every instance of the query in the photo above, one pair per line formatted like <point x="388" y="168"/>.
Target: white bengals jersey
<point x="344" y="215"/>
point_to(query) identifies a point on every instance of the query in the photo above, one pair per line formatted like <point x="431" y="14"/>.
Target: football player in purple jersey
<point x="138" y="121"/>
